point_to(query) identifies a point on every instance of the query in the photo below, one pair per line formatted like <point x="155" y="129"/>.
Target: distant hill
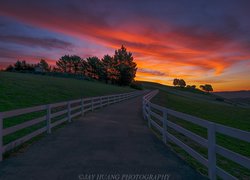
<point x="234" y="94"/>
<point x="239" y="97"/>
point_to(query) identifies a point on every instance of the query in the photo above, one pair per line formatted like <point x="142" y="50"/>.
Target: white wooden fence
<point x="209" y="143"/>
<point x="63" y="111"/>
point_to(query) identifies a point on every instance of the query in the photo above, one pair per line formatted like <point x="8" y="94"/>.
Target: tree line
<point x="181" y="83"/>
<point x="117" y="69"/>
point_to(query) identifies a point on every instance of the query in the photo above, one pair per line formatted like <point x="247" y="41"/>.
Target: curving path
<point x="113" y="140"/>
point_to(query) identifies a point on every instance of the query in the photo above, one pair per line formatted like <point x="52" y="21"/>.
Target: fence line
<point x="209" y="143"/>
<point x="54" y="115"/>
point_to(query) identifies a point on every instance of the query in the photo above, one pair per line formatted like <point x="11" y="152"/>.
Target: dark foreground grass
<point x="232" y="116"/>
<point x="19" y="90"/>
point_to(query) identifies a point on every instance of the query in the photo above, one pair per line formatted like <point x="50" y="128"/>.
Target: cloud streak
<point x="47" y="43"/>
<point x="207" y="37"/>
<point x="151" y="72"/>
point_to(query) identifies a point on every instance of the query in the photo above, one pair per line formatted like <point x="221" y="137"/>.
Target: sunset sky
<point x="201" y="41"/>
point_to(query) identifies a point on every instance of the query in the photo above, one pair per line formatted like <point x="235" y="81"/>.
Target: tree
<point x="207" y="87"/>
<point x="179" y="82"/>
<point x="69" y="64"/>
<point x="18" y="66"/>
<point x="110" y="73"/>
<point x="118" y="69"/>
<point x="10" y="68"/>
<point x="44" y="65"/>
<point x="182" y="83"/>
<point x="75" y="62"/>
<point x="62" y="64"/>
<point x="83" y="67"/>
<point x="95" y="68"/>
<point x="176" y="82"/>
<point x="125" y="66"/>
<point x="23" y="66"/>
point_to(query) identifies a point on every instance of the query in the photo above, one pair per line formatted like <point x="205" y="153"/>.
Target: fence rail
<point x="209" y="143"/>
<point x="53" y="115"/>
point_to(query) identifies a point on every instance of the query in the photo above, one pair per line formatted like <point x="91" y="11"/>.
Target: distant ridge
<point x="234" y="94"/>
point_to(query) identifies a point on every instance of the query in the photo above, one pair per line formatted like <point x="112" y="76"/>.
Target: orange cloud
<point x="173" y="52"/>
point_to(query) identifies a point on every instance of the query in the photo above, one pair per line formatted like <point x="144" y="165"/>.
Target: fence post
<point x="92" y="104"/>
<point x="211" y="151"/>
<point x="164" y="133"/>
<point x="69" y="112"/>
<point x="82" y="106"/>
<point x="48" y="118"/>
<point x="1" y="137"/>
<point x="108" y="100"/>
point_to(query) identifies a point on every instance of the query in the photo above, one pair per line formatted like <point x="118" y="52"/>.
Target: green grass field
<point x="197" y="103"/>
<point x="19" y="90"/>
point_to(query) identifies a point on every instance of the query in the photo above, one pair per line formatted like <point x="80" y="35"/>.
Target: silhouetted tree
<point x="182" y="83"/>
<point x="110" y="72"/>
<point x="179" y="82"/>
<point x="10" y="68"/>
<point x="23" y="66"/>
<point x="44" y="65"/>
<point x="95" y="68"/>
<point x="83" y="67"/>
<point x="75" y="62"/>
<point x="207" y="87"/>
<point x="120" y="69"/>
<point x="176" y="82"/>
<point x="125" y="65"/>
<point x="69" y="64"/>
<point x="18" y="66"/>
<point x="63" y="64"/>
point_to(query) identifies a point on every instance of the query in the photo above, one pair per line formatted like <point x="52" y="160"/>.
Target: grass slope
<point x="24" y="90"/>
<point x="202" y="105"/>
<point x="206" y="106"/>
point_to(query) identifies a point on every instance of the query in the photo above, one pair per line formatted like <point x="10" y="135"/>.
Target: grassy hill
<point x="210" y="107"/>
<point x="19" y="90"/>
<point x="207" y="106"/>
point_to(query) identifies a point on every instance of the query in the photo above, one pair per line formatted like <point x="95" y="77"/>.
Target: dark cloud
<point x="151" y="72"/>
<point x="47" y="43"/>
<point x="2" y="24"/>
<point x="212" y="35"/>
<point x="8" y="53"/>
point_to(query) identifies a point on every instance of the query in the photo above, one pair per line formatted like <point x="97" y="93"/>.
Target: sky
<point x="199" y="41"/>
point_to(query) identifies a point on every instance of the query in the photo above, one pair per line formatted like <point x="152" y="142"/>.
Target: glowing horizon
<point x="167" y="40"/>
